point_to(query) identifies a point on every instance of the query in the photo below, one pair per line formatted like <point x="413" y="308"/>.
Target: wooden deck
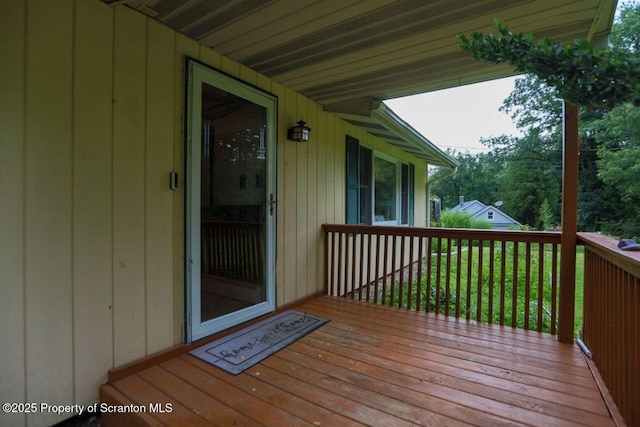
<point x="374" y="365"/>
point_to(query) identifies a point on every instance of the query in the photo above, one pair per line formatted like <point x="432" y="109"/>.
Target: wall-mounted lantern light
<point x="299" y="133"/>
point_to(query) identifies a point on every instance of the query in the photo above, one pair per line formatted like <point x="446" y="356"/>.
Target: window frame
<point x="355" y="188"/>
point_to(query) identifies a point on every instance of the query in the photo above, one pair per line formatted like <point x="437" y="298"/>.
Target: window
<point x="380" y="189"/>
<point x="385" y="190"/>
<point x="489" y="215"/>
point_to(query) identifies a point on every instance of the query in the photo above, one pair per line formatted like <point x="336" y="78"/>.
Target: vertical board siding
<point x="91" y="255"/>
<point x="12" y="162"/>
<point x="312" y="203"/>
<point x="159" y="197"/>
<point x="288" y="198"/>
<point x="48" y="201"/>
<point x="92" y="208"/>
<point x="321" y="195"/>
<point x="302" y="198"/>
<point x="129" y="168"/>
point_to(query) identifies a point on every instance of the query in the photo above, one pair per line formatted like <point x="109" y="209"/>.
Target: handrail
<point x="454" y="233"/>
<point x="505" y="277"/>
<point x="611" y="328"/>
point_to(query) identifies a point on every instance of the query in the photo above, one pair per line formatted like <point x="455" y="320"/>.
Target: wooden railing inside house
<point x="611" y="328"/>
<point x="232" y="250"/>
<point x="503" y="277"/>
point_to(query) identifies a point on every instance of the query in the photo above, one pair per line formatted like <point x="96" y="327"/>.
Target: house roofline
<point x="376" y="118"/>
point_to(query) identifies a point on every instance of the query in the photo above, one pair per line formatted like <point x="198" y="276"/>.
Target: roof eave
<point x="376" y="118"/>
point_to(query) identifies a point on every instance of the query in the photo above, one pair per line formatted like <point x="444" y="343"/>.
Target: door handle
<point x="272" y="203"/>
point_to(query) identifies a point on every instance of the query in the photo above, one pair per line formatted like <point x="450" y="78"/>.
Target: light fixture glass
<point x="299" y="133"/>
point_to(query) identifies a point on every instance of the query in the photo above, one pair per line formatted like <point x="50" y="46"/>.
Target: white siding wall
<point x="91" y="236"/>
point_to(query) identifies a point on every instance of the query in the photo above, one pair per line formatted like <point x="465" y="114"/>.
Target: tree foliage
<point x="581" y="73"/>
<point x="475" y="179"/>
<point x="525" y="171"/>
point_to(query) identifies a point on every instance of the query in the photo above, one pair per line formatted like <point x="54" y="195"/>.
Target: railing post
<point x="570" y="155"/>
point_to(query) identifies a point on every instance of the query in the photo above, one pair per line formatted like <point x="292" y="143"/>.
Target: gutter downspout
<point x="428" y="189"/>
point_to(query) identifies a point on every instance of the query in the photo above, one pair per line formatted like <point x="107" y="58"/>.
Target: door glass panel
<point x="232" y="203"/>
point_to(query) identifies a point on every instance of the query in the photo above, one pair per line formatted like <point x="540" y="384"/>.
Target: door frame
<point x="196" y="73"/>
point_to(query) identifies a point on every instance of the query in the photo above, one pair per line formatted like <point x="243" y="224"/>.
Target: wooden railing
<point x="232" y="250"/>
<point x="611" y="328"/>
<point x="503" y="277"/>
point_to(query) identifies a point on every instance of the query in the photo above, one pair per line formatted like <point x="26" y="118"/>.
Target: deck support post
<point x="570" y="156"/>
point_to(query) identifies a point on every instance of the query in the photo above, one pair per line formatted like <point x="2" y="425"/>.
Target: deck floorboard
<point x="374" y="365"/>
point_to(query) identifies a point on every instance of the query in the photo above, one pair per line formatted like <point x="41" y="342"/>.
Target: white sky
<point x="457" y="118"/>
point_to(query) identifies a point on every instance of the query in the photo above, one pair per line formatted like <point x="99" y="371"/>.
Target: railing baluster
<point x="427" y="302"/>
<point x="327" y="262"/>
<point x="401" y="283"/>
<point x="367" y="274"/>
<point x="419" y="274"/>
<point x="410" y="278"/>
<point x="384" y="267"/>
<point x="438" y="271"/>
<point x="447" y="295"/>
<point x="540" y="287"/>
<point x="341" y="265"/>
<point x="361" y="282"/>
<point x="350" y="253"/>
<point x="393" y="268"/>
<point x="458" y="276"/>
<point x="377" y="270"/>
<point x="479" y="307"/>
<point x="527" y="286"/>
<point x="514" y="300"/>
<point x="491" y="280"/>
<point x="554" y="288"/>
<point x="469" y="279"/>
<point x="503" y="280"/>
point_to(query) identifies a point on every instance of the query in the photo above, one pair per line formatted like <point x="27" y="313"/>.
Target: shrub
<point x="456" y="220"/>
<point x="481" y="224"/>
<point x="463" y="220"/>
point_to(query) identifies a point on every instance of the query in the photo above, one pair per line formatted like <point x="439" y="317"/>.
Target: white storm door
<point x="230" y="228"/>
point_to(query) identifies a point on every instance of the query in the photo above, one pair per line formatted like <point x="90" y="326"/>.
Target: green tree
<point x="617" y="136"/>
<point x="475" y="179"/>
<point x="532" y="163"/>
<point x="532" y="173"/>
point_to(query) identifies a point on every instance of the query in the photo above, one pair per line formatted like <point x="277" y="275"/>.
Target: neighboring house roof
<point x="479" y="210"/>
<point x="471" y="207"/>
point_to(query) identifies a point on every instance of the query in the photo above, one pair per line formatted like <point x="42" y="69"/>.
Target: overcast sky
<point x="458" y="117"/>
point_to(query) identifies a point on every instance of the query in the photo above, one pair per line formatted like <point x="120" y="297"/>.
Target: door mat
<point x="243" y="349"/>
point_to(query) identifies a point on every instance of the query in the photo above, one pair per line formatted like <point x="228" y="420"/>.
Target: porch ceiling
<point x="335" y="50"/>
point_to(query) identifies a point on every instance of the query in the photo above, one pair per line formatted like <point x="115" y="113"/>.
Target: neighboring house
<point x="478" y="210"/>
<point x="103" y="261"/>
